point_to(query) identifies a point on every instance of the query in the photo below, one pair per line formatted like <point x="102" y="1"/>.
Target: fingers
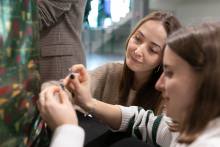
<point x="43" y="92"/>
<point x="75" y="80"/>
<point x="69" y="81"/>
<point x="70" y="87"/>
<point x="40" y="103"/>
<point x="63" y="97"/>
<point x="49" y="94"/>
<point x="82" y="71"/>
<point x="46" y="95"/>
<point x="66" y="80"/>
<point x="39" y="106"/>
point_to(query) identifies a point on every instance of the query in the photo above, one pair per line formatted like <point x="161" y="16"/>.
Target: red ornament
<point x="22" y="103"/>
<point x="8" y="118"/>
<point x="2" y="71"/>
<point x="41" y="124"/>
<point x="26" y="3"/>
<point x="36" y="60"/>
<point x="4" y="90"/>
<point x="35" y="98"/>
<point x="25" y="34"/>
<point x="15" y="23"/>
<point x="29" y="29"/>
<point x="26" y="82"/>
<point x="26" y="129"/>
<point x="30" y="143"/>
<point x="28" y="87"/>
<point x="18" y="58"/>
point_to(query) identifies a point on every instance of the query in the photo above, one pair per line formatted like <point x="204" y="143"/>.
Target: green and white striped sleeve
<point x="145" y="126"/>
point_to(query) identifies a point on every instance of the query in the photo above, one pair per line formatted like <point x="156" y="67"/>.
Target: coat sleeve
<point x="145" y="126"/>
<point x="51" y="10"/>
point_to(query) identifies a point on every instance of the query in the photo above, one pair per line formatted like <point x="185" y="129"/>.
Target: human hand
<point x="54" y="113"/>
<point x="79" y="86"/>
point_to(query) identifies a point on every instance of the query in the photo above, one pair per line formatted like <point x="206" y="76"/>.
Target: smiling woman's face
<point x="145" y="47"/>
<point x="177" y="83"/>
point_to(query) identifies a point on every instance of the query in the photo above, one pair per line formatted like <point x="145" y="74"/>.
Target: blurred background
<point x="108" y="23"/>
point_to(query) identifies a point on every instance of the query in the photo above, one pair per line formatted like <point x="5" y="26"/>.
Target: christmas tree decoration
<point x="20" y="121"/>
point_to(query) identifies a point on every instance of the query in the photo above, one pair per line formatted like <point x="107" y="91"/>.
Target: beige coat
<point x="60" y="24"/>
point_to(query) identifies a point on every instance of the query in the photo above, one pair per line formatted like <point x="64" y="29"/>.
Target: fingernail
<point x="70" y="69"/>
<point x="62" y="87"/>
<point x="72" y="76"/>
<point x="73" y="95"/>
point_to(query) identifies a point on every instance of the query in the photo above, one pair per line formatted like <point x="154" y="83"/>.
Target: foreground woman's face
<point x="177" y="84"/>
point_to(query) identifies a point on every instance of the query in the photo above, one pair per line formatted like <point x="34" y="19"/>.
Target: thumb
<point x="63" y="96"/>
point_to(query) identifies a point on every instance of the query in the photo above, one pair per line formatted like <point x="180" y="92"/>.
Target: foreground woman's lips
<point x="135" y="61"/>
<point x="166" y="100"/>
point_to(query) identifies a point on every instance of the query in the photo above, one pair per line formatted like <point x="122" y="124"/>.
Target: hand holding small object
<point x="54" y="113"/>
<point x="79" y="85"/>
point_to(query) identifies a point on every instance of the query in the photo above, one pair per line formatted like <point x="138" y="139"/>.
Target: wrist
<point x="89" y="105"/>
<point x="91" y="109"/>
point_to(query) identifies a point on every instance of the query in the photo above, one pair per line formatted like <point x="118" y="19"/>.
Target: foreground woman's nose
<point x="160" y="83"/>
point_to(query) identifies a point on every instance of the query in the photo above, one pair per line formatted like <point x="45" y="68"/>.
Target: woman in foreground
<point x="190" y="88"/>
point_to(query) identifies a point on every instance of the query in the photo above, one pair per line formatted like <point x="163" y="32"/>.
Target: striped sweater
<point x="155" y="131"/>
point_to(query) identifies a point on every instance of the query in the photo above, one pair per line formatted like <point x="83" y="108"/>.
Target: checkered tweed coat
<point x="60" y="24"/>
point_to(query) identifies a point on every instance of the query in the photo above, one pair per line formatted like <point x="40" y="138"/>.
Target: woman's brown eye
<point x="138" y="39"/>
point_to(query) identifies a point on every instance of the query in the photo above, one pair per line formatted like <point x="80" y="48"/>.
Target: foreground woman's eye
<point x="168" y="74"/>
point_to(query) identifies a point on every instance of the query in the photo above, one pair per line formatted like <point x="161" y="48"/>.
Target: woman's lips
<point x="135" y="61"/>
<point x="166" y="99"/>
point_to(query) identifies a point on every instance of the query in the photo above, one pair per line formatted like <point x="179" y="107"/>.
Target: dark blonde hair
<point x="200" y="47"/>
<point x="147" y="96"/>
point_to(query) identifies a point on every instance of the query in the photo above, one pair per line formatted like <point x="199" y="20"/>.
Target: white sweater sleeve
<point x="68" y="136"/>
<point x="145" y="126"/>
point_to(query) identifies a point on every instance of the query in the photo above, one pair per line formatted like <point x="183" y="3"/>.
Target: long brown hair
<point x="200" y="47"/>
<point x="147" y="96"/>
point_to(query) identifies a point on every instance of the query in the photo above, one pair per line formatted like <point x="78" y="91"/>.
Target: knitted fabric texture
<point x="154" y="130"/>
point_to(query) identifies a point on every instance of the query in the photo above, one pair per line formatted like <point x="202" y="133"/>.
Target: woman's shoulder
<point x="116" y="66"/>
<point x="210" y="136"/>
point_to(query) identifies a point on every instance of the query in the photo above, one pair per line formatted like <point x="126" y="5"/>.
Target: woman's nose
<point x="139" y="51"/>
<point x="160" y="86"/>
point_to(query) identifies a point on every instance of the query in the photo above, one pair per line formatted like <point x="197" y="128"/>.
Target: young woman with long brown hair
<point x="190" y="87"/>
<point x="132" y="82"/>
